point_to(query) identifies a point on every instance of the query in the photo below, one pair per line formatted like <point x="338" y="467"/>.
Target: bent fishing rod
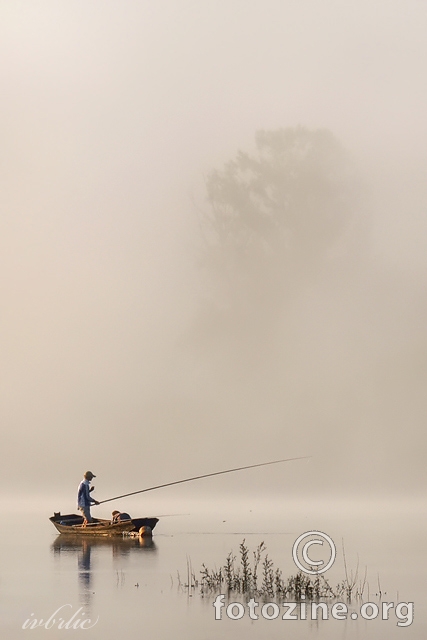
<point x="206" y="475"/>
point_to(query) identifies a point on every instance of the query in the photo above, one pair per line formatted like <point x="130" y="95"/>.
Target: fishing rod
<point x="206" y="475"/>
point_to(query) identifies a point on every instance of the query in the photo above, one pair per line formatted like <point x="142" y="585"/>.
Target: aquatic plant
<point x="244" y="577"/>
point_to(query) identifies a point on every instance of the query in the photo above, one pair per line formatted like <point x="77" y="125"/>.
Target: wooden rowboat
<point x="72" y="524"/>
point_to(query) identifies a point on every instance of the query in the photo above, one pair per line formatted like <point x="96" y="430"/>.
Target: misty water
<point x="128" y="586"/>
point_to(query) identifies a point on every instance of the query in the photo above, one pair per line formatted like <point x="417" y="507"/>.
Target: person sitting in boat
<point x="84" y="500"/>
<point x="116" y="517"/>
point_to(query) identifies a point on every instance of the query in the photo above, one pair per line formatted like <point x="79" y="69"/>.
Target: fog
<point x="119" y="354"/>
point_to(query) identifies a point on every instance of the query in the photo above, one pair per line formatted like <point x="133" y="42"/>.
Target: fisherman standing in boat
<point x="84" y="500"/>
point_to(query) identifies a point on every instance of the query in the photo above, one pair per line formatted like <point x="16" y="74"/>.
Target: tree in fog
<point x="274" y="215"/>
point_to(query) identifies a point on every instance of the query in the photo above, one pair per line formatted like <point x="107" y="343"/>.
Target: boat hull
<point x="72" y="524"/>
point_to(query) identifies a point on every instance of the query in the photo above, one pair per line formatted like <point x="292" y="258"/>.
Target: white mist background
<point x="112" y="116"/>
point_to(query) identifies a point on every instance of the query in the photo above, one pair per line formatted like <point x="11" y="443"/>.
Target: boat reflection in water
<point x="90" y="550"/>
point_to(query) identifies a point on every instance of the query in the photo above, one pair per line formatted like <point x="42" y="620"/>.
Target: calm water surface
<point x="42" y="571"/>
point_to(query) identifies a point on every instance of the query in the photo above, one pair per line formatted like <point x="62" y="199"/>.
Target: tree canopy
<point x="279" y="209"/>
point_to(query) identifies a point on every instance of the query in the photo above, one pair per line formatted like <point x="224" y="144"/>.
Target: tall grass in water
<point x="255" y="574"/>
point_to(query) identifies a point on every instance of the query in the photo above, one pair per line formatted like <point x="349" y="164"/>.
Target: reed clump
<point x="255" y="574"/>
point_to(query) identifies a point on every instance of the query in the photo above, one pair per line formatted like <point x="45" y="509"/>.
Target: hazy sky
<point x="112" y="113"/>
